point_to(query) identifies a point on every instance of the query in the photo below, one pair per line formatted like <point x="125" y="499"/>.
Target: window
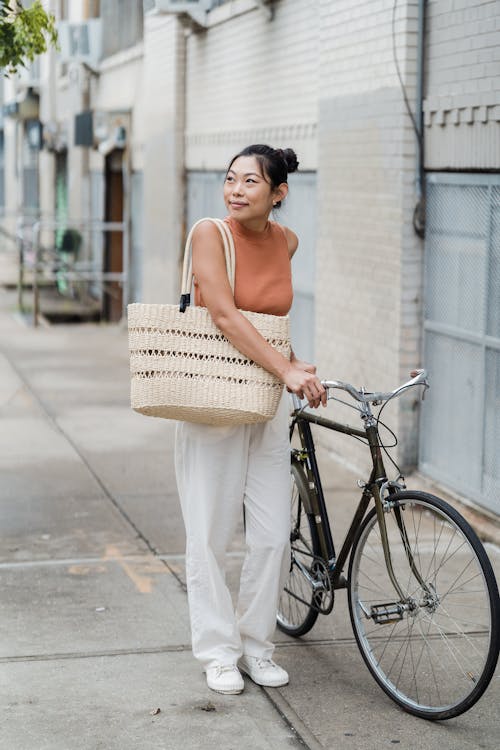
<point x="122" y="25"/>
<point x="460" y="430"/>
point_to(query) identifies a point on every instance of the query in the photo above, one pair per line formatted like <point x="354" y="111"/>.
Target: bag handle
<point x="187" y="266"/>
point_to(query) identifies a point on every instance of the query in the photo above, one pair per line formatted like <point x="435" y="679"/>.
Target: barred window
<point x="122" y="25"/>
<point x="461" y="417"/>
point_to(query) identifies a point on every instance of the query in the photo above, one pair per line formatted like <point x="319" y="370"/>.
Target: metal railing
<point x="46" y="263"/>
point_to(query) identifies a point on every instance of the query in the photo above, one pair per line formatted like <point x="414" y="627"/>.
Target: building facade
<point x="140" y="125"/>
<point x="461" y="312"/>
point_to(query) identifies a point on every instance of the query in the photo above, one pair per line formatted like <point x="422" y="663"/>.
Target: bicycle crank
<point x="318" y="577"/>
<point x="324" y="587"/>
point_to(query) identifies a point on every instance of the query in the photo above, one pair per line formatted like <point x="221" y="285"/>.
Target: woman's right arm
<point x="209" y="268"/>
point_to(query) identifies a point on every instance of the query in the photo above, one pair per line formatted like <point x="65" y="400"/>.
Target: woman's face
<point x="247" y="191"/>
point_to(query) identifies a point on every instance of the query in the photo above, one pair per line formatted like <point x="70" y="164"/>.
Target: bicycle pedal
<point x="386" y="613"/>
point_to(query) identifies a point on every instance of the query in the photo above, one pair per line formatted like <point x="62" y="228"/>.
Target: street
<point x="93" y="611"/>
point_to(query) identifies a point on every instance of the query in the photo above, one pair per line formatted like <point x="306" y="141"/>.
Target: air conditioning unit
<point x="196" y="10"/>
<point x="81" y="42"/>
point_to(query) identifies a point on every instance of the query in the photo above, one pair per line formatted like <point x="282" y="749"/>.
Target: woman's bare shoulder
<point x="292" y="240"/>
<point x="206" y="230"/>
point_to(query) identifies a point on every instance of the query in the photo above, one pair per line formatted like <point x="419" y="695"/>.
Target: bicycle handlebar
<point x="365" y="397"/>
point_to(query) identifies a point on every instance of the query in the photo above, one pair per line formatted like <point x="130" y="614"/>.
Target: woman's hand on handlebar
<point x="302" y="380"/>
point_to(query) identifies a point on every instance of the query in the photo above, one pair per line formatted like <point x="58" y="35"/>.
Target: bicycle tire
<point x="436" y="660"/>
<point x="296" y="618"/>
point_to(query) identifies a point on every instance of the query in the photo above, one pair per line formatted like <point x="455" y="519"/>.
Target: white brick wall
<point x="368" y="258"/>
<point x="120" y="88"/>
<point x="163" y="127"/>
<point x="254" y="80"/>
<point x="462" y="106"/>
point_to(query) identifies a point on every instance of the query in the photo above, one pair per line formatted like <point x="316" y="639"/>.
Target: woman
<point x="221" y="469"/>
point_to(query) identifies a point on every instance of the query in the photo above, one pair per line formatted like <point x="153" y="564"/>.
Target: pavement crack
<point x="95" y="654"/>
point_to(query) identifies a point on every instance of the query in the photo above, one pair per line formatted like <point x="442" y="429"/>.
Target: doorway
<point x="113" y="245"/>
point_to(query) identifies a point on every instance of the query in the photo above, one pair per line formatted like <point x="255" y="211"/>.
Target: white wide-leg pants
<point x="219" y="470"/>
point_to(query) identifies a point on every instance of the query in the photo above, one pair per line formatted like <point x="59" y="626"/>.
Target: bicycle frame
<point x="378" y="479"/>
<point x="307" y="457"/>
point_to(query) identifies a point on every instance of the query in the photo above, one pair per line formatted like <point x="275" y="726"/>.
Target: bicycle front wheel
<point x="435" y="649"/>
<point x="296" y="609"/>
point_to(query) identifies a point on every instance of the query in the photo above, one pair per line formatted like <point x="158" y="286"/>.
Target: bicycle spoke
<point x="429" y="647"/>
<point x="453" y="650"/>
<point x="458" y="629"/>
<point x="374" y="584"/>
<point x="433" y="652"/>
<point x="464" y="583"/>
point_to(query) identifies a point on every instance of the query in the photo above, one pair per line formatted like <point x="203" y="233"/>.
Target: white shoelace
<point x="225" y="668"/>
<point x="265" y="663"/>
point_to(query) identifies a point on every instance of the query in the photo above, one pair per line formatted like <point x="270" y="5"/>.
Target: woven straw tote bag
<point x="183" y="367"/>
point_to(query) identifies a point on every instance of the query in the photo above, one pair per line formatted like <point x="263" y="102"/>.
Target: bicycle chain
<point x="323" y="599"/>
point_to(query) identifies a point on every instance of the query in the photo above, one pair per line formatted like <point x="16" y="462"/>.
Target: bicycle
<point x="423" y="600"/>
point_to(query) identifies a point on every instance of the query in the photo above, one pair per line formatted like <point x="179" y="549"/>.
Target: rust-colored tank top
<point x="263" y="276"/>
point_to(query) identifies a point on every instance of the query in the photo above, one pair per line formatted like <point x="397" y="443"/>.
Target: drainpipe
<point x="419" y="213"/>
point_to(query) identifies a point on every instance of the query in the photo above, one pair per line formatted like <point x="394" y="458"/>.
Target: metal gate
<point x="204" y="198"/>
<point x="460" y="428"/>
<point x="2" y="167"/>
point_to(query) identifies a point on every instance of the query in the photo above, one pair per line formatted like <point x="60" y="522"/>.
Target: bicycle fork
<point x="389" y="612"/>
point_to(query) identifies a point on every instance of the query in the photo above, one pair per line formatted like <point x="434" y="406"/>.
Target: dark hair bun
<point x="275" y="163"/>
<point x="290" y="157"/>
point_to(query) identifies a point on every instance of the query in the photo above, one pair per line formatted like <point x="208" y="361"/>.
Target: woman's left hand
<point x="303" y="365"/>
<point x="321" y="397"/>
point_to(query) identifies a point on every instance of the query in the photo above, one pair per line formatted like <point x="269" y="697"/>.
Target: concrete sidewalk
<point x="93" y="611"/>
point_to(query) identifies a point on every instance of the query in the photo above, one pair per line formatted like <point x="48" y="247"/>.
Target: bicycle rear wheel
<point x="296" y="613"/>
<point x="435" y="651"/>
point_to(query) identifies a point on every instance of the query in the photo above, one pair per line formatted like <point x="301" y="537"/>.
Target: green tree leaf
<point x="24" y="33"/>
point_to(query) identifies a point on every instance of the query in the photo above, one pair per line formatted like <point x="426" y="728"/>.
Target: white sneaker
<point x="264" y="671"/>
<point x="225" y="679"/>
